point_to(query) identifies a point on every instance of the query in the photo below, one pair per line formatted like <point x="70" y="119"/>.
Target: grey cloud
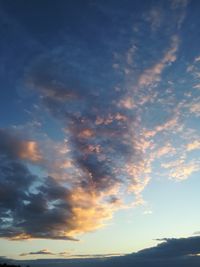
<point x="196" y="233"/>
<point x="33" y="206"/>
<point x="174" y="252"/>
<point x="40" y="252"/>
<point x="9" y="146"/>
<point x="91" y="114"/>
<point x="172" y="247"/>
<point x="30" y="206"/>
<point x="95" y="255"/>
<point x="68" y="254"/>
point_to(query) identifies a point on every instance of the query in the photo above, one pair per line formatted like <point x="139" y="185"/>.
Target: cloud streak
<point x="170" y="251"/>
<point x="40" y="252"/>
<point x="153" y="74"/>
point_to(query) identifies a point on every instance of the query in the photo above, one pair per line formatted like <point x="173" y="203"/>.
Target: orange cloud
<point x="165" y="150"/>
<point x="179" y="170"/>
<point x="90" y="211"/>
<point x="182" y="172"/>
<point x="195" y="108"/>
<point x="30" y="151"/>
<point x="193" y="146"/>
<point x="171" y="123"/>
<point x="86" y="133"/>
<point x="127" y="103"/>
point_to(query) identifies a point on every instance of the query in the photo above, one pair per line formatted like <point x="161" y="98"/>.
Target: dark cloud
<point x="173" y="247"/>
<point x="33" y="206"/>
<point x="30" y="206"/>
<point x="10" y="146"/>
<point x="68" y="254"/>
<point x="40" y="252"/>
<point x="101" y="135"/>
<point x="174" y="252"/>
<point x="97" y="126"/>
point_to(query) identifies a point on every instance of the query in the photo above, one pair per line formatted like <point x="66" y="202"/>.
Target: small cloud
<point x="64" y="253"/>
<point x="179" y="170"/>
<point x="147" y="212"/>
<point x="30" y="151"/>
<point x="196" y="233"/>
<point x="195" y="109"/>
<point x="153" y="75"/>
<point x="197" y="59"/>
<point x="165" y="150"/>
<point x="179" y="3"/>
<point x="154" y="18"/>
<point x="40" y="252"/>
<point x="193" y="146"/>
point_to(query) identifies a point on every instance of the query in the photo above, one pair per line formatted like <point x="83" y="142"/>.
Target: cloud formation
<point x="153" y="74"/>
<point x="13" y="147"/>
<point x="40" y="252"/>
<point x="172" y="248"/>
<point x="43" y="207"/>
<point x="118" y="111"/>
<point x="67" y="254"/>
<point x="175" y="252"/>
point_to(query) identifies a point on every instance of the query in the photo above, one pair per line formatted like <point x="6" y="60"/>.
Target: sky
<point x="100" y="130"/>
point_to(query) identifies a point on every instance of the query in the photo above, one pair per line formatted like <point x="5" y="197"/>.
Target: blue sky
<point x="99" y="132"/>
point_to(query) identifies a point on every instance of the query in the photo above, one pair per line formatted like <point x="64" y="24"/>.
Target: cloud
<point x="155" y="18"/>
<point x="172" y="247"/>
<point x="180" y="170"/>
<point x="197" y="59"/>
<point x="175" y="252"/>
<point x="193" y="146"/>
<point x="13" y="147"/>
<point x="168" y="248"/>
<point x="153" y="75"/>
<point x="93" y="120"/>
<point x="170" y="124"/>
<point x="103" y="158"/>
<point x="195" y="108"/>
<point x="67" y="254"/>
<point x="165" y="150"/>
<point x="40" y="252"/>
<point x="179" y="3"/>
<point x="110" y="151"/>
<point x="106" y="153"/>
<point x="196" y="233"/>
<point x="104" y="111"/>
<point x="130" y="54"/>
<point x="33" y="206"/>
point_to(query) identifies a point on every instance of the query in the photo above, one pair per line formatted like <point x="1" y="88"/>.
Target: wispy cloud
<point x="40" y="252"/>
<point x="193" y="146"/>
<point x="153" y="74"/>
<point x="180" y="170"/>
<point x="154" y="17"/>
<point x="67" y="254"/>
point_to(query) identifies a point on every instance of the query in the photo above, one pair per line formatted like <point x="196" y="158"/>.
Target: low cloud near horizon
<point x="172" y="252"/>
